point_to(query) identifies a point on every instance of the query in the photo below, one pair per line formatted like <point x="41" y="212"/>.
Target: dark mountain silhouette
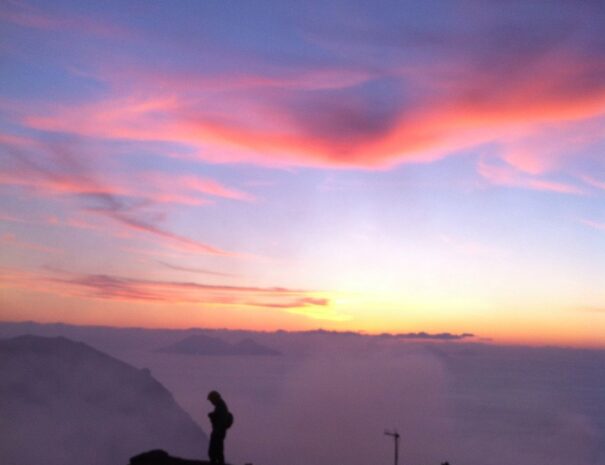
<point x="63" y="402"/>
<point x="206" y="345"/>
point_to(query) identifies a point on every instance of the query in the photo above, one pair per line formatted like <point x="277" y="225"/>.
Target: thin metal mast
<point x="395" y="435"/>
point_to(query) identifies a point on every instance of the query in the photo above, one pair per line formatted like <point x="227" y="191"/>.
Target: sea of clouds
<point x="329" y="398"/>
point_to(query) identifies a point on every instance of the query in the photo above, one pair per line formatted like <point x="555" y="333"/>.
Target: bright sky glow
<point x="367" y="166"/>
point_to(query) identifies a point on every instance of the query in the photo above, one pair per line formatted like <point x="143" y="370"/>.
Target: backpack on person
<point x="228" y="420"/>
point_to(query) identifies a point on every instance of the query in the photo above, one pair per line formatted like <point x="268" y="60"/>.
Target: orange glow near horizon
<point x="573" y="327"/>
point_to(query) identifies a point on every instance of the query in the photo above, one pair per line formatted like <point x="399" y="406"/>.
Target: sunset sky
<point x="366" y="166"/>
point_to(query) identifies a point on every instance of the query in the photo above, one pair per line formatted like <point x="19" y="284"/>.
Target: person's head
<point x="214" y="397"/>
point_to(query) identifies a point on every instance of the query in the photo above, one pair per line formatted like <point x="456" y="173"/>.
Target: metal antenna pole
<point x="395" y="435"/>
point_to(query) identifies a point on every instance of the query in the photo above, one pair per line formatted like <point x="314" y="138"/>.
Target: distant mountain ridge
<point x="201" y="344"/>
<point x="63" y="402"/>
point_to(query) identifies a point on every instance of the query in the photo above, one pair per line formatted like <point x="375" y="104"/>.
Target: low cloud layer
<point x="470" y="404"/>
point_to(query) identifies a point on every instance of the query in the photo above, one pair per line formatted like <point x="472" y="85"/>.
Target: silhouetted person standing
<point x="221" y="420"/>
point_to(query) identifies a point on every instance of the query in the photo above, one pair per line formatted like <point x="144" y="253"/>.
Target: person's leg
<point x="220" y="449"/>
<point x="213" y="447"/>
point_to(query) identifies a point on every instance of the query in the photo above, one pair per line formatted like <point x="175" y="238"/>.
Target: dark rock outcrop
<point x="160" y="457"/>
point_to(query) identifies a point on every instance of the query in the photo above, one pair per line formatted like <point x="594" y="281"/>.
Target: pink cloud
<point x="11" y="219"/>
<point x="506" y="175"/>
<point x="73" y="184"/>
<point x="285" y="126"/>
<point x="208" y="186"/>
<point x="351" y="112"/>
<point x="11" y="240"/>
<point x="297" y="303"/>
<point x="186" y="82"/>
<point x="187" y="184"/>
<point x="594" y="182"/>
<point x="117" y="211"/>
<point x="120" y="202"/>
<point x="73" y="222"/>
<point x="57" y="184"/>
<point x="530" y="160"/>
<point x="64" y="176"/>
<point x="88" y="224"/>
<point x="110" y="287"/>
<point x="558" y="146"/>
<point x="594" y="224"/>
<point x="25" y="15"/>
<point x="15" y="141"/>
<point x="195" y="270"/>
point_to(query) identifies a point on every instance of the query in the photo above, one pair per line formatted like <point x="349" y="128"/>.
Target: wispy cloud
<point x="128" y="216"/>
<point x="298" y="303"/>
<point x="594" y="224"/>
<point x="188" y="185"/>
<point x="594" y="182"/>
<point x="374" y="118"/>
<point x="66" y="174"/>
<point x="502" y="174"/>
<point x="11" y="218"/>
<point x="438" y="89"/>
<point x="110" y="287"/>
<point x="189" y="269"/>
<point x="8" y="240"/>
<point x="55" y="169"/>
<point x="26" y="15"/>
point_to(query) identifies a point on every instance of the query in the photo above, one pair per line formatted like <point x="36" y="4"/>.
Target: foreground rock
<point x="160" y="457"/>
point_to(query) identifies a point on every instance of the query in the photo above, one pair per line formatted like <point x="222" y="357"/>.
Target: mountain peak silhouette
<point x="62" y="400"/>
